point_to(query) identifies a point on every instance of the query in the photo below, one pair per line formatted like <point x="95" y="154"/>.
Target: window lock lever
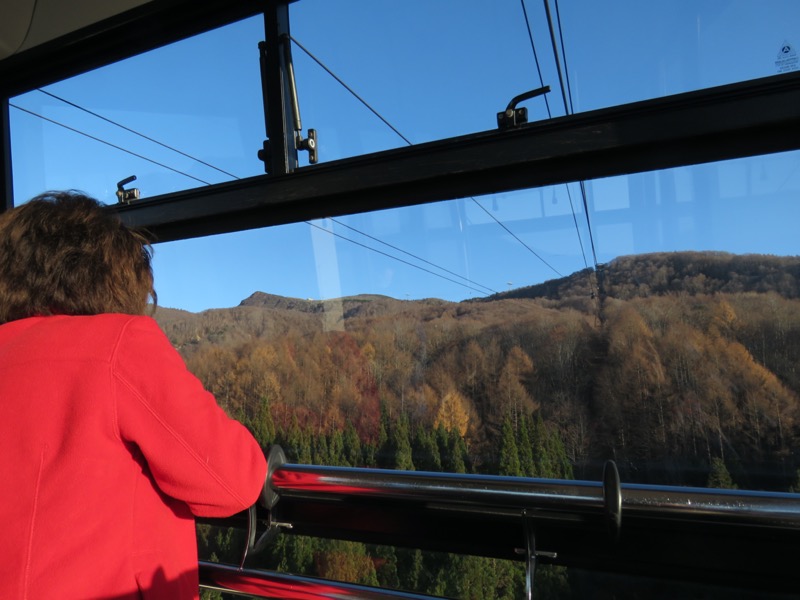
<point x="512" y="116"/>
<point x="127" y="196"/>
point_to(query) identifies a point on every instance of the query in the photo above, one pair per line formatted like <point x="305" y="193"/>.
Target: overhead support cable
<point x="516" y="238"/>
<point x="550" y="115"/>
<point x="535" y="55"/>
<point x="419" y="258"/>
<point x="588" y="224"/>
<point x="97" y="139"/>
<point x="133" y="131"/>
<point x="238" y="178"/>
<point x="352" y="241"/>
<point x="564" y="54"/>
<point x="566" y="95"/>
<point x="575" y="220"/>
<point x="349" y="89"/>
<point x="556" y="57"/>
<point x="407" y="141"/>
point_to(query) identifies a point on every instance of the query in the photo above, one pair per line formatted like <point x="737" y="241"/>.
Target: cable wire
<point x="550" y="115"/>
<point x="236" y="177"/>
<point x="396" y="258"/>
<point x="349" y="89"/>
<point x="565" y="91"/>
<point x="97" y="139"/>
<point x="516" y="238"/>
<point x="360" y="99"/>
<point x="535" y="56"/>
<point x="133" y="131"/>
<point x="564" y="55"/>
<point x="572" y="110"/>
<point x="28" y="29"/>
<point x="412" y="255"/>
<point x="556" y="56"/>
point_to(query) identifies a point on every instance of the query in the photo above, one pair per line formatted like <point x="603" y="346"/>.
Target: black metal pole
<point x="279" y="153"/>
<point x="6" y="176"/>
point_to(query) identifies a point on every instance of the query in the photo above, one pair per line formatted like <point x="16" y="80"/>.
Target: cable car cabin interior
<point x="514" y="308"/>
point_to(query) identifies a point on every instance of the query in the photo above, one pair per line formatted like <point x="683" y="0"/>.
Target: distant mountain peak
<point x="266" y="300"/>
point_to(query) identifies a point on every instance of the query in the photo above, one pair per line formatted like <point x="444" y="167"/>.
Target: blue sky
<point x="433" y="70"/>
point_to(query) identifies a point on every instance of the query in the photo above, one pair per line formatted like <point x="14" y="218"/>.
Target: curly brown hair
<point x="62" y="253"/>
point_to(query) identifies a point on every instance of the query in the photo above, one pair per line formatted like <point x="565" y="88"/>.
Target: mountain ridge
<point x="659" y="273"/>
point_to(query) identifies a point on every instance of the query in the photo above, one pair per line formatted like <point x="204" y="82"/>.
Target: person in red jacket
<point x="109" y="447"/>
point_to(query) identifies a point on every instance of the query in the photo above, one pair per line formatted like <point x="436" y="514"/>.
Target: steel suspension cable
<point x="97" y="139"/>
<point x="566" y="95"/>
<point x="550" y="115"/>
<point x="407" y="141"/>
<point x="133" y="131"/>
<point x="160" y="164"/>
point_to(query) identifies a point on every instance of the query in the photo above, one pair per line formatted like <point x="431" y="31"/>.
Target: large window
<point x="479" y="336"/>
<point x="372" y="78"/>
<point x="179" y="117"/>
<point x="649" y="318"/>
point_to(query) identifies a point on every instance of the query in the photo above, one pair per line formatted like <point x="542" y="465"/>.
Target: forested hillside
<point x="682" y="367"/>
<point x="671" y="361"/>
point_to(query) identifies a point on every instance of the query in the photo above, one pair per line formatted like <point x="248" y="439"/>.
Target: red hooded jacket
<point x="108" y="449"/>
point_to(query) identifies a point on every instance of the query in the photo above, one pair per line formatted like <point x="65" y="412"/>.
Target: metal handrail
<point x="746" y="539"/>
<point x="557" y="499"/>
<point x="271" y="584"/>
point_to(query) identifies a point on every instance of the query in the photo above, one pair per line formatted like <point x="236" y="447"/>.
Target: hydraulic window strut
<point x="279" y="91"/>
<point x="309" y="144"/>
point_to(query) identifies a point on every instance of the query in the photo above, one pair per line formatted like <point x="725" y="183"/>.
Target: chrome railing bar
<point x="271" y="584"/>
<point x="499" y="495"/>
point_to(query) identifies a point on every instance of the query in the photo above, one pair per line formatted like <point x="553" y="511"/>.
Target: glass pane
<point x="482" y="335"/>
<point x="479" y="246"/>
<point x="428" y="74"/>
<point x="373" y="77"/>
<point x="649" y="318"/>
<point x="179" y="117"/>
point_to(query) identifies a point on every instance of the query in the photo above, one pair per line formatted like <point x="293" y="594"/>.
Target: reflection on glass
<point x="476" y="247"/>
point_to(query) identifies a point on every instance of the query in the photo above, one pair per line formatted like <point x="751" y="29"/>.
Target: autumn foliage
<point x="668" y="362"/>
<point x="683" y="368"/>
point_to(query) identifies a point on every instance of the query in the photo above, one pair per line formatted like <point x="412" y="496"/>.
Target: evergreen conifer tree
<point x="384" y="450"/>
<point x="298" y="446"/>
<point x="352" y="447"/>
<point x="425" y="451"/>
<point x="557" y="452"/>
<point x="537" y="435"/>
<point x="509" y="454"/>
<point x="459" y="453"/>
<point x="261" y="424"/>
<point x="336" y="449"/>
<point x="401" y="445"/>
<point x="795" y="487"/>
<point x="386" y="569"/>
<point x="719" y="476"/>
<point x="321" y="451"/>
<point x="526" y="463"/>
